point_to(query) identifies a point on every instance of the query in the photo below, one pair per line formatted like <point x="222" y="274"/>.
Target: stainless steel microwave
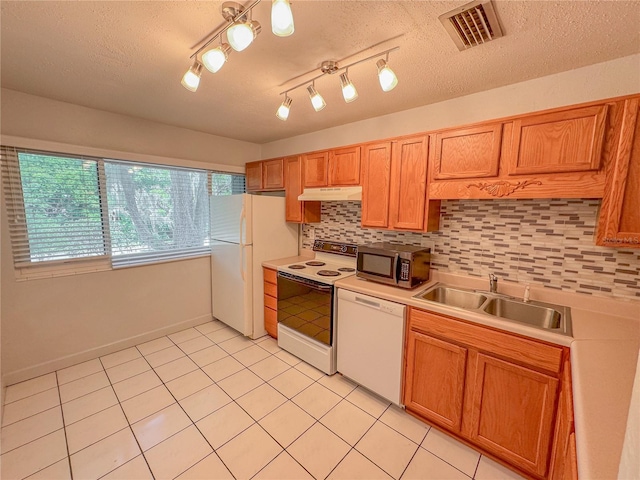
<point x="403" y="266"/>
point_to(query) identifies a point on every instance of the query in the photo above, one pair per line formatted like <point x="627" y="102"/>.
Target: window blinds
<point x="156" y="213"/>
<point x="54" y="206"/>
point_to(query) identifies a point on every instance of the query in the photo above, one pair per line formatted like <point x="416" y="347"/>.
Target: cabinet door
<point x="564" y="428"/>
<point x="295" y="210"/>
<point x="253" y="172"/>
<point x="467" y="153"/>
<point x="619" y="223"/>
<point x="512" y="412"/>
<point x="376" y="182"/>
<point x="316" y="169"/>
<point x="566" y="141"/>
<point x="344" y="166"/>
<point x="408" y="184"/>
<point x="434" y="379"/>
<point x="273" y="174"/>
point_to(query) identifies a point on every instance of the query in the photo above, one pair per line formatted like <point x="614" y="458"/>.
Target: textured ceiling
<point x="128" y="57"/>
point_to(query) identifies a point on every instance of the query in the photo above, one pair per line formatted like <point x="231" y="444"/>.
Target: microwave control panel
<point x="404" y="270"/>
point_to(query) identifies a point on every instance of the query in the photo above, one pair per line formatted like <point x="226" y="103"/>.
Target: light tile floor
<point x="206" y="403"/>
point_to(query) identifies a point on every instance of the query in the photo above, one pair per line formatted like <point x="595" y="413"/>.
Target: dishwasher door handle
<point x="367" y="302"/>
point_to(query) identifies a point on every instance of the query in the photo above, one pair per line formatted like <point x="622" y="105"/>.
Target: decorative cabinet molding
<point x="495" y="390"/>
<point x="503" y="188"/>
<point x="619" y="222"/>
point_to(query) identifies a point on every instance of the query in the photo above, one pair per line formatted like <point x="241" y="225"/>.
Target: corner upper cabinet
<point x="253" y="173"/>
<point x="315" y="169"/>
<point x="619" y="222"/>
<point x="466" y="153"/>
<point x="558" y="142"/>
<point x="295" y="210"/>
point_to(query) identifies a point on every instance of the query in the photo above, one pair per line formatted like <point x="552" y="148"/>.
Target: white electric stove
<point x="306" y="303"/>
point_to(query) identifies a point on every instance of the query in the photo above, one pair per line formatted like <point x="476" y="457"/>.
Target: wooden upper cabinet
<point x="513" y="410"/>
<point x="253" y="172"/>
<point x="315" y="169"/>
<point x="273" y="174"/>
<point x="295" y="210"/>
<point x="376" y="183"/>
<point x="466" y="153"/>
<point x="344" y="166"/>
<point x="619" y="223"/>
<point x="434" y="379"/>
<point x="408" y="184"/>
<point x="557" y="142"/>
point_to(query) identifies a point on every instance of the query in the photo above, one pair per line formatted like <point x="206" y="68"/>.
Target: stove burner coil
<point x="328" y="273"/>
<point x="296" y="267"/>
<point x="315" y="263"/>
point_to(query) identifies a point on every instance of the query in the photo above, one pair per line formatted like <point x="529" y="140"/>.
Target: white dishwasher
<point x="370" y="342"/>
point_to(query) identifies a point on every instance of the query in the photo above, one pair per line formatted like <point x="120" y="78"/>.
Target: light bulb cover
<point x="191" y="79"/>
<point x="241" y="35"/>
<point x="215" y="58"/>
<point x="281" y="18"/>
<point x="386" y="76"/>
<point x="316" y="99"/>
<point x="283" y="110"/>
<point x="349" y="91"/>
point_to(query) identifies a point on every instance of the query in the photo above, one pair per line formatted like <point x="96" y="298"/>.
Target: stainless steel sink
<point x="537" y="316"/>
<point x="546" y="316"/>
<point x="454" y="297"/>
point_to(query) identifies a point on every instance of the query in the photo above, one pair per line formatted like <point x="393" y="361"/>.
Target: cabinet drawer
<point x="271" y="302"/>
<point x="270" y="275"/>
<point x="271" y="289"/>
<point x="514" y="348"/>
<point x="271" y="322"/>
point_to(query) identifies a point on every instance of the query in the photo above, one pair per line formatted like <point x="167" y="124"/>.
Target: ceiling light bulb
<point x="281" y="18"/>
<point x="241" y="35"/>
<point x="388" y="79"/>
<point x="215" y="58"/>
<point x="349" y="91"/>
<point x="316" y="99"/>
<point x="191" y="79"/>
<point x="283" y="110"/>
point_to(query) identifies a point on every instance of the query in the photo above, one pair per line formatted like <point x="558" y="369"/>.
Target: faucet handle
<point x="493" y="277"/>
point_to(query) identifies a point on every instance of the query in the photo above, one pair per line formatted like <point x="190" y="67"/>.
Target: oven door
<point x="305" y="306"/>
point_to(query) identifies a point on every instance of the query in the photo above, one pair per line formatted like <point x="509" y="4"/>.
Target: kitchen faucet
<point x="493" y="283"/>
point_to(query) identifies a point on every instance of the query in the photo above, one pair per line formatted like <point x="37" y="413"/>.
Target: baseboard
<point x="63" y="362"/>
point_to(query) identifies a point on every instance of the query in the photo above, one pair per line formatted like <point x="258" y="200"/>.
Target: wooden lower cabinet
<point x="563" y="456"/>
<point x="270" y="301"/>
<point x="495" y="390"/>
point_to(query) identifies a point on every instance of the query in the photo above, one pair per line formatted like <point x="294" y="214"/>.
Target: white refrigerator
<point x="245" y="231"/>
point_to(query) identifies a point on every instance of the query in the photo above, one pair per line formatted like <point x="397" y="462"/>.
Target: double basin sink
<point x="546" y="316"/>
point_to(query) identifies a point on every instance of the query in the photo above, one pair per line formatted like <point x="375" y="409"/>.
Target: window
<point x="55" y="211"/>
<point x="156" y="212"/>
<point x="65" y="209"/>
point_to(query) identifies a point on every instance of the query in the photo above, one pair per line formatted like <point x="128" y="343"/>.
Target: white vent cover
<point x="472" y="24"/>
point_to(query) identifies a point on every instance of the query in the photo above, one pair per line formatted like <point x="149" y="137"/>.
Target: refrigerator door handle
<point x="243" y="220"/>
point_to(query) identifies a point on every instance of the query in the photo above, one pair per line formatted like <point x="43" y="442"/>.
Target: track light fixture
<point x="191" y="79"/>
<point x="316" y="99"/>
<point x="387" y="78"/>
<point x="241" y="31"/>
<point x="349" y="91"/>
<point x="283" y="110"/>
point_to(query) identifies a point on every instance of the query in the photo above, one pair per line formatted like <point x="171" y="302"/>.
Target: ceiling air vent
<point x="472" y="24"/>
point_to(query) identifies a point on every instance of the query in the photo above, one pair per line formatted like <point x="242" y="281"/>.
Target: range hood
<point x="325" y="194"/>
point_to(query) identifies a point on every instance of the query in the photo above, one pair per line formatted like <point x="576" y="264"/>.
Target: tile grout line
<point x="37" y="438"/>
<point x="66" y="441"/>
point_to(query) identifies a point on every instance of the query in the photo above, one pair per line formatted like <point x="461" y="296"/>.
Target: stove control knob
<point x="343" y="249"/>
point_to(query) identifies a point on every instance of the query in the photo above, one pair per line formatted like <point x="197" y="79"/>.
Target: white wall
<point x="603" y="80"/>
<point x="38" y="118"/>
<point x="630" y="460"/>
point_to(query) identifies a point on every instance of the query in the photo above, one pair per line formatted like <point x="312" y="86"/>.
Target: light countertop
<point x="604" y="351"/>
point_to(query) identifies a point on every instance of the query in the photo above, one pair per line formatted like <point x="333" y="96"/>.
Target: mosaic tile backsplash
<point x="543" y="242"/>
